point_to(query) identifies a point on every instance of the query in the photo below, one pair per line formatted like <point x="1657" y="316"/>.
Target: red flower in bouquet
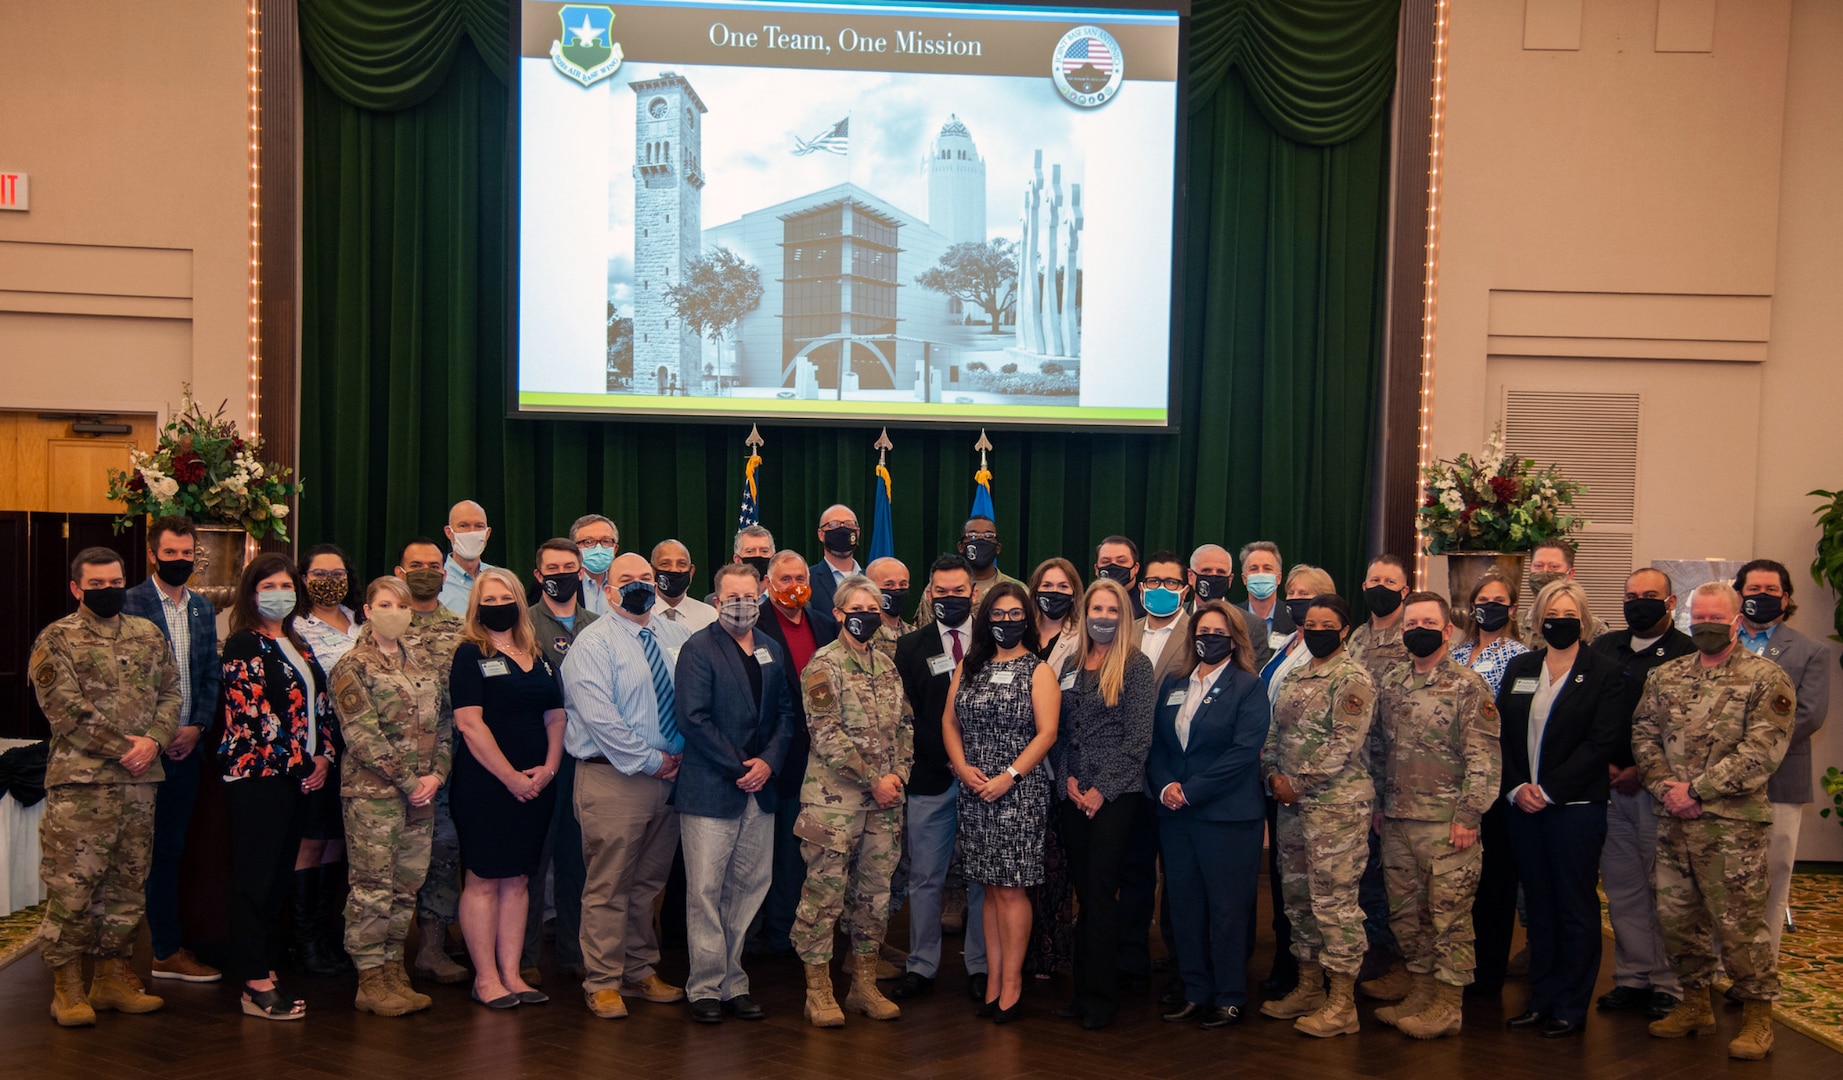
<point x="1505" y="488"/>
<point x="188" y="468"/>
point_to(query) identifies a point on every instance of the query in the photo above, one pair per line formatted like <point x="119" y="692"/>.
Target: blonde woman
<point x="1055" y="587"/>
<point x="508" y="710"/>
<point x="398" y="752"/>
<point x="1302" y="584"/>
<point x="1099" y="757"/>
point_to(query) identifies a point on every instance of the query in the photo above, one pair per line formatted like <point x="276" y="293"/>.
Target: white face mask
<point x="469" y="545"/>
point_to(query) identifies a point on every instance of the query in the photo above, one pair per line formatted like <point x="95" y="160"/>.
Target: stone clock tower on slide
<point x="668" y="188"/>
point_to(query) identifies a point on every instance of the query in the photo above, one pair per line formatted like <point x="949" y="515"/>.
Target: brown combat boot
<point x="864" y="995"/>
<point x="69" y="1007"/>
<point x="1756" y="1038"/>
<point x="1440" y="1018"/>
<point x="1420" y="995"/>
<point x="1306" y="998"/>
<point x="1692" y="1016"/>
<point x="1392" y="985"/>
<point x="1339" y="1014"/>
<point x="376" y="995"/>
<point x="400" y="982"/>
<point x="821" y="1007"/>
<point x="432" y="958"/>
<point x="114" y="986"/>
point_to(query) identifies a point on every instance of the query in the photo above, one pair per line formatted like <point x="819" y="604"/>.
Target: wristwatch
<point x="1014" y="774"/>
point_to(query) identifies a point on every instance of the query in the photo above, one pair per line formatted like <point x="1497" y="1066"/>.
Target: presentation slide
<point x="870" y="212"/>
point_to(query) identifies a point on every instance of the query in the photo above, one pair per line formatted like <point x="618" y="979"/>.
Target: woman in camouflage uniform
<point x="398" y="742"/>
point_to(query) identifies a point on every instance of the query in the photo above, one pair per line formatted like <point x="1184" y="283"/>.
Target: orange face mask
<point x="794" y="596"/>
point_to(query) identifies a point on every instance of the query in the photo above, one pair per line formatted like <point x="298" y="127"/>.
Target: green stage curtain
<point x="405" y="267"/>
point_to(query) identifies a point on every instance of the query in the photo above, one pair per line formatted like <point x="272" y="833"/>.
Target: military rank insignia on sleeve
<point x="1781" y="704"/>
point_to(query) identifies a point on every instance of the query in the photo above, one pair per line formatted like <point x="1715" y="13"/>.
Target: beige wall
<point x="1618" y="217"/>
<point x="129" y="274"/>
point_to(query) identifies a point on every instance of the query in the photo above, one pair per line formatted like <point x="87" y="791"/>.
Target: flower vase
<point x="1465" y="568"/>
<point x="220" y="552"/>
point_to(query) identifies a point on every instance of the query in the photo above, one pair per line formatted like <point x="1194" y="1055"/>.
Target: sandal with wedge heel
<point x="272" y="1005"/>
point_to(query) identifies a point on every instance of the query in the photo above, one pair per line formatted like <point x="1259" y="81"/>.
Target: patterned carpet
<point x="19" y="933"/>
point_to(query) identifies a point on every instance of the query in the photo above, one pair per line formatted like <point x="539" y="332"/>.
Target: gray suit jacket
<point x="1807" y="661"/>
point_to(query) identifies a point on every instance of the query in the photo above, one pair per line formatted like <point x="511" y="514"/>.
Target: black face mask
<point x="894" y="600"/>
<point x="1761" y="608"/>
<point x="1382" y="600"/>
<point x="1561" y="633"/>
<point x="637" y="597"/>
<point x="981" y="553"/>
<point x="1055" y="605"/>
<point x="1213" y="586"/>
<point x="759" y="562"/>
<point x="105" y="603"/>
<point x="1214" y="648"/>
<point x="1322" y="643"/>
<point x="1644" y="612"/>
<point x="672" y="582"/>
<point x="175" y="572"/>
<point x="1296" y="608"/>
<point x="499" y="618"/>
<point x="841" y="541"/>
<point x="1008" y="634"/>
<point x="862" y="625"/>
<point x="1423" y="641"/>
<point x="1491" y="615"/>
<point x="562" y="587"/>
<point x="952" y="610"/>
<point x="1121" y="574"/>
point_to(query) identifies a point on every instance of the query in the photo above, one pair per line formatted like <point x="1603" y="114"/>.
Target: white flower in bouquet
<point x="160" y="487"/>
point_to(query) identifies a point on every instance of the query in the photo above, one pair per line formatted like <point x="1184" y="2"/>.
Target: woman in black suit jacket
<point x="1211" y="809"/>
<point x="1570" y="698"/>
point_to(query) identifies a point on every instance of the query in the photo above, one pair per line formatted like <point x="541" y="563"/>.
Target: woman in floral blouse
<point x="280" y="741"/>
<point x="1492" y="639"/>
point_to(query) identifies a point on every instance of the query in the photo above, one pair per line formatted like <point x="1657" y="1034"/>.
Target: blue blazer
<point x="1221" y="771"/>
<point x="723" y="726"/>
<point x="207" y="671"/>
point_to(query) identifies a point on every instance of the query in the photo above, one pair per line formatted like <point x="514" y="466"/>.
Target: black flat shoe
<point x="1011" y="1015"/>
<point x="743" y="1007"/>
<point x="1625" y="998"/>
<point x="976" y="986"/>
<point x="1189" y="1011"/>
<point x="1072" y="1011"/>
<point x="911" y="985"/>
<point x="707" y="1011"/>
<point x="1222" y="1016"/>
<point x="1560" y="1029"/>
<point x="1527" y="1020"/>
<point x="1095" y="1021"/>
<point x="1660" y="1005"/>
<point x="507" y="1001"/>
<point x="533" y="997"/>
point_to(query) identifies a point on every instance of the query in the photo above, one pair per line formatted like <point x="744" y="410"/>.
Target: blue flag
<point x="749" y="515"/>
<point x="982" y="495"/>
<point x="882" y="536"/>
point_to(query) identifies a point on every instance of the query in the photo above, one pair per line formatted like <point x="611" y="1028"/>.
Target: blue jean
<point x="173" y="803"/>
<point x="931" y="829"/>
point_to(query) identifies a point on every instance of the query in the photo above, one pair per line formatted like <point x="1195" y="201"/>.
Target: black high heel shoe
<point x="986" y="1010"/>
<point x="1006" y="1016"/>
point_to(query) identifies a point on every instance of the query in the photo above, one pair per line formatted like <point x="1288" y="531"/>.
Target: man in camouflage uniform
<point x="892" y="579"/>
<point x="110" y="690"/>
<point x="850" y="824"/>
<point x="1707" y="735"/>
<point x="1436" y="763"/>
<point x="1313" y="762"/>
<point x="1377" y="646"/>
<point x="395" y="717"/>
<point x="434" y="634"/>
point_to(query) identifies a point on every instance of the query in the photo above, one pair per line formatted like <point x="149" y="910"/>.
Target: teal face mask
<point x="1262" y="586"/>
<point x="1160" y="602"/>
<point x="597" y="560"/>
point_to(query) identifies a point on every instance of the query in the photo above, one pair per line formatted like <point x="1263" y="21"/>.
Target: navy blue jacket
<point x="723" y="727"/>
<point x="825" y="631"/>
<point x="206" y="670"/>
<point x="1221" y="771"/>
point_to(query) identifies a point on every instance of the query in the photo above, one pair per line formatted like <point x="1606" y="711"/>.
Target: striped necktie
<point x="662" y="689"/>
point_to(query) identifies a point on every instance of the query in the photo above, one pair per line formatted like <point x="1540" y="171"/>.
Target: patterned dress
<point x="1001" y="842"/>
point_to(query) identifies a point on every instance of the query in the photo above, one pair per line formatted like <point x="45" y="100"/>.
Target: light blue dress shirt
<point x="593" y="598"/>
<point x="458" y="585"/>
<point x="1756" y="643"/>
<point x="608" y="694"/>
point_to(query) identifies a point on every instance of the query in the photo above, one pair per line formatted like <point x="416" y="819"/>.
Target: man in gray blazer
<point x="1766" y="602"/>
<point x="734" y="712"/>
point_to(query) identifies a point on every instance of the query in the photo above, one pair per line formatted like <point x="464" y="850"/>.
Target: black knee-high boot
<point x="308" y="955"/>
<point x="334" y="885"/>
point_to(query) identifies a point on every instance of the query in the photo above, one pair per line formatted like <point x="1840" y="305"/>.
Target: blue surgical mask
<point x="276" y="603"/>
<point x="597" y="560"/>
<point x="1262" y="586"/>
<point x="1160" y="602"/>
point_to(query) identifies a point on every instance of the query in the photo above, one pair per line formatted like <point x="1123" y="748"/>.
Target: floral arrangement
<point x="1494" y="502"/>
<point x="204" y="468"/>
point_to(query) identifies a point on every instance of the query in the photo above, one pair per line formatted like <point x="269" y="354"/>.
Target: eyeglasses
<point x="608" y="542"/>
<point x="827" y="526"/>
<point x="1171" y="583"/>
<point x="1009" y="615"/>
<point x="326" y="575"/>
<point x="987" y="535"/>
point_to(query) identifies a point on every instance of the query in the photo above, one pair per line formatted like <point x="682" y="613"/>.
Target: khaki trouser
<point x="629" y="836"/>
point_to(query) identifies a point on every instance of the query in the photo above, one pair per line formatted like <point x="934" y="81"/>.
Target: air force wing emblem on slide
<point x="587" y="51"/>
<point x="1088" y="66"/>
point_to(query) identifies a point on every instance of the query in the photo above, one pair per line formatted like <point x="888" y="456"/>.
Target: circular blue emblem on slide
<point x="1088" y="66"/>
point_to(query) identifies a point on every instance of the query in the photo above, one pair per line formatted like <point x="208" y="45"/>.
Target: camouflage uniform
<point x="394" y="715"/>
<point x="1724" y="730"/>
<point x="1377" y="650"/>
<point x="884" y="640"/>
<point x="1317" y="741"/>
<point x="431" y="639"/>
<point x="862" y="730"/>
<point x="98" y="684"/>
<point x="1435" y="759"/>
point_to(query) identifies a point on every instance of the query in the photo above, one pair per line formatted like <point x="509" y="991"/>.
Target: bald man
<point x="467" y="535"/>
<point x="672" y="573"/>
<point x="891" y="577"/>
<point x="838" y="534"/>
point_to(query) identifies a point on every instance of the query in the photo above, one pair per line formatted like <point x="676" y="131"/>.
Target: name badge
<point x="1002" y="678"/>
<point x="490" y="668"/>
<point x="1525" y="685"/>
<point x="1177" y="697"/>
<point x="1277" y="641"/>
<point x="1068" y="681"/>
<point x="762" y="657"/>
<point x="940" y="665"/>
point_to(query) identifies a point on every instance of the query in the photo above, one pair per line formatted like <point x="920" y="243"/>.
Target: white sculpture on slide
<point x="1048" y="318"/>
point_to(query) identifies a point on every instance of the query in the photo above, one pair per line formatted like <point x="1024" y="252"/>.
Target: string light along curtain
<point x="405" y="266"/>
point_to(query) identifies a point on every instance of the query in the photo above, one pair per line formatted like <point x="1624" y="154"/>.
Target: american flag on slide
<point x="1078" y="54"/>
<point x="836" y="140"/>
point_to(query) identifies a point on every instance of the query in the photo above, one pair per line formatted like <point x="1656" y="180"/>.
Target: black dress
<point x="1001" y="842"/>
<point x="500" y="836"/>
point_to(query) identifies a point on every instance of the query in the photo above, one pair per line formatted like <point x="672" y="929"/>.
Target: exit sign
<point x="14" y="189"/>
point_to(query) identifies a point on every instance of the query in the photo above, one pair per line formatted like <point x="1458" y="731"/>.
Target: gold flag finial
<point x="883" y="446"/>
<point x="982" y="446"/>
<point x="755" y="440"/>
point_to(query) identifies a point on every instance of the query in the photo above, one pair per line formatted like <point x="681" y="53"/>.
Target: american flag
<point x="749" y="514"/>
<point x="1078" y="54"/>
<point x="837" y="140"/>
